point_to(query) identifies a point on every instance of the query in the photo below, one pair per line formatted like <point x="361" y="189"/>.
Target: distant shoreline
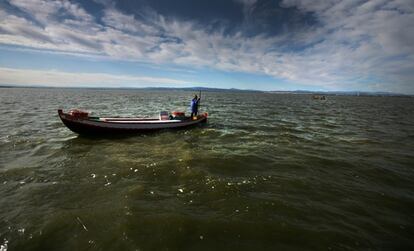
<point x="206" y="89"/>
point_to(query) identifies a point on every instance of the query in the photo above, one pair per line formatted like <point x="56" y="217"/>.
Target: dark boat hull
<point x="91" y="127"/>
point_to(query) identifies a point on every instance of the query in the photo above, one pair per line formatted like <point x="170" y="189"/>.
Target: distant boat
<point x="319" y="97"/>
<point x="80" y="122"/>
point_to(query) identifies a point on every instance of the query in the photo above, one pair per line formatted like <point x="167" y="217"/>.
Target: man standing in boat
<point x="194" y="106"/>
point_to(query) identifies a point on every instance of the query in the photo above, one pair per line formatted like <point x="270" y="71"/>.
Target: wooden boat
<point x="80" y="122"/>
<point x="319" y="97"/>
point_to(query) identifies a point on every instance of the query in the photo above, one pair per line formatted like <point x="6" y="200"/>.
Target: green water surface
<point x="267" y="172"/>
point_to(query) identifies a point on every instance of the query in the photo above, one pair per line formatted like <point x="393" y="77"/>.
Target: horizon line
<point x="202" y="88"/>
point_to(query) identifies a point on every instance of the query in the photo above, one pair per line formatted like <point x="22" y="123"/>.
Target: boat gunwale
<point x="66" y="116"/>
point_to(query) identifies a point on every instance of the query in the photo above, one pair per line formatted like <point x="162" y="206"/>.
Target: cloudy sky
<point x="250" y="44"/>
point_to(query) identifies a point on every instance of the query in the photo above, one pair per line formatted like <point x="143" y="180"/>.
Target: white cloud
<point x="118" y="20"/>
<point x="364" y="39"/>
<point x="354" y="42"/>
<point x="11" y="76"/>
<point x="45" y="11"/>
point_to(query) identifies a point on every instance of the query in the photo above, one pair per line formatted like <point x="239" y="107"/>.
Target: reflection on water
<point x="267" y="171"/>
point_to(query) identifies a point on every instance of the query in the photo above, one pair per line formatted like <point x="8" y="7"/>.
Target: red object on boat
<point x="178" y="114"/>
<point x="78" y="113"/>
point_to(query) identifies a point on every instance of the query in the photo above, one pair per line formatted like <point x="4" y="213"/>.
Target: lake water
<point x="268" y="171"/>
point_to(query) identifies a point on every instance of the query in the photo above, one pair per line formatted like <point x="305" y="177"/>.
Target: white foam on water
<point x="3" y="247"/>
